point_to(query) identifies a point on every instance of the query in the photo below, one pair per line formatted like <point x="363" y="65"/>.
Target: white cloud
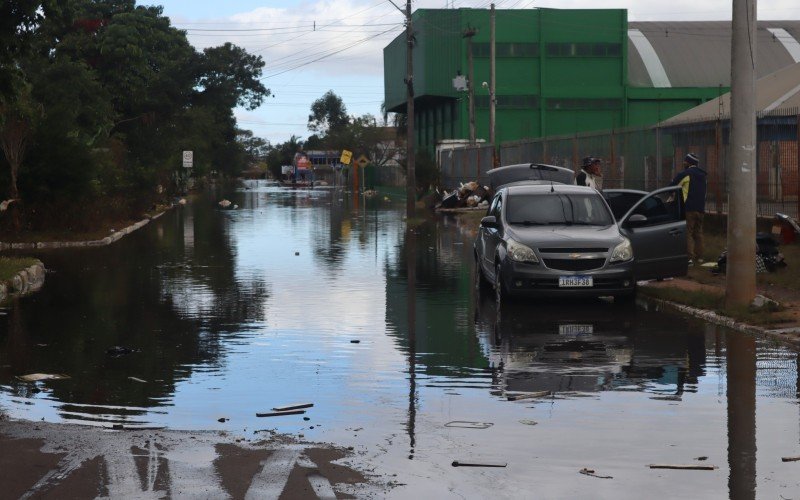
<point x="337" y="45"/>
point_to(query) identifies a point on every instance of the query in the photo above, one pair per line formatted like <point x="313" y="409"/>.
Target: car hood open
<point x="566" y="236"/>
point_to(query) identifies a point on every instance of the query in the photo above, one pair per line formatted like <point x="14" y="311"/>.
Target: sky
<point x="313" y="46"/>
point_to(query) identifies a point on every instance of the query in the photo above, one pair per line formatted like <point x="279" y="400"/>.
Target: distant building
<point x="566" y="71"/>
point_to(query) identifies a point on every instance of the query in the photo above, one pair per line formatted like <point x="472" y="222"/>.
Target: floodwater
<point x="307" y="296"/>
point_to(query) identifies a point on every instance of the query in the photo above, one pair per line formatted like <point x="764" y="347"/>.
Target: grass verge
<point x="711" y="301"/>
<point x="10" y="266"/>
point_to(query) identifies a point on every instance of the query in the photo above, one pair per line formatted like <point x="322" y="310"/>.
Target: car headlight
<point x="520" y="253"/>
<point x="622" y="252"/>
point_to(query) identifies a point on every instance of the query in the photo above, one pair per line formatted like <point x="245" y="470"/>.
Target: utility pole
<point x="740" y="288"/>
<point x="492" y="88"/>
<point x="411" y="181"/>
<point x="468" y="34"/>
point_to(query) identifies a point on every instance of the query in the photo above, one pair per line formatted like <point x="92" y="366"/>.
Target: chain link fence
<point x="647" y="158"/>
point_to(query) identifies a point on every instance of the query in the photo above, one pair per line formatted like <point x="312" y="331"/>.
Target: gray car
<point x="542" y="238"/>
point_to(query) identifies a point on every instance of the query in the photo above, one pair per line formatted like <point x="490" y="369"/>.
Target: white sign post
<point x="188" y="159"/>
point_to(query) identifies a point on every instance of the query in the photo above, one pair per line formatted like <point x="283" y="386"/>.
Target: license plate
<point x="575" y="329"/>
<point x="575" y="281"/>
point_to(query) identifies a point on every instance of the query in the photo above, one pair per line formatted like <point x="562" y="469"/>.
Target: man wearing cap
<point x="590" y="173"/>
<point x="693" y="184"/>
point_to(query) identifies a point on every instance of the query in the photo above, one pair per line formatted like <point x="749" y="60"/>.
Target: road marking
<point x="192" y="473"/>
<point x="65" y="467"/>
<point x="270" y="482"/>
<point x="322" y="487"/>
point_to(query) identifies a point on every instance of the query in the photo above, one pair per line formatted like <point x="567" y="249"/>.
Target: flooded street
<point x="206" y="317"/>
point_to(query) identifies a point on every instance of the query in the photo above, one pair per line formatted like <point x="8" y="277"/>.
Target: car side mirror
<point x="636" y="220"/>
<point x="489" y="221"/>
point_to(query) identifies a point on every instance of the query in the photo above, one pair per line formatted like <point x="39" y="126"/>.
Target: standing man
<point x="590" y="174"/>
<point x="693" y="184"/>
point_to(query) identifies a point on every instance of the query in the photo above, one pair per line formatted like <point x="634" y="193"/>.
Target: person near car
<point x="590" y="174"/>
<point x="693" y="185"/>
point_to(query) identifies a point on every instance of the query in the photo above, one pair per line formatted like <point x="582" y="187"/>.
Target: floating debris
<point x="683" y="466"/>
<point x="296" y="406"/>
<point x="529" y="395"/>
<point x="280" y="413"/>
<point x="36" y="377"/>
<point x="790" y="459"/>
<point x="528" y="422"/>
<point x="465" y="463"/>
<point x="464" y="424"/>
<point x="591" y="472"/>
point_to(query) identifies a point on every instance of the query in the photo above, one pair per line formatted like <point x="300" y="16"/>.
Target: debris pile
<point x="469" y="195"/>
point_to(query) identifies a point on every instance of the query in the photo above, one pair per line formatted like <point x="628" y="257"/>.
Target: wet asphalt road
<point x="308" y="296"/>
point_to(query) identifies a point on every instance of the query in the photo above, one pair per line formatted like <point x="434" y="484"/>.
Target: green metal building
<point x="563" y="71"/>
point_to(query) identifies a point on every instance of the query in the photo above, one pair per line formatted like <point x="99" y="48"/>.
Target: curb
<point x="116" y="236"/>
<point x="790" y="336"/>
<point x="26" y="281"/>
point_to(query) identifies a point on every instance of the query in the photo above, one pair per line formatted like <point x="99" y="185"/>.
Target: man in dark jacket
<point x="590" y="174"/>
<point x="693" y="183"/>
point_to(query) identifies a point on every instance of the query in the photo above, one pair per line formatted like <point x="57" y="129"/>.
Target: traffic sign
<point x="346" y="157"/>
<point x="188" y="159"/>
<point x="362" y="161"/>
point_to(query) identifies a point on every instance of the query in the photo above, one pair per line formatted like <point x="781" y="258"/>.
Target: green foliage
<point x="328" y="114"/>
<point x="118" y="94"/>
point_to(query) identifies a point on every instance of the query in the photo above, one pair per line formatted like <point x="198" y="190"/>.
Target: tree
<point x="231" y="77"/>
<point x="328" y="114"/>
<point x="18" y="20"/>
<point x="254" y="147"/>
<point x="17" y="121"/>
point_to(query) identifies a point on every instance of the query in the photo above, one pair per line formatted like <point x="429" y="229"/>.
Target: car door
<point x="620" y="201"/>
<point x="659" y="240"/>
<point x="490" y="236"/>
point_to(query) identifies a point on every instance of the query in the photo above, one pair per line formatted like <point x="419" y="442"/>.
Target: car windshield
<point x="557" y="209"/>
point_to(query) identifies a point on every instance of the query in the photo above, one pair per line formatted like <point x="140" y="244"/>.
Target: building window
<point x="584" y="50"/>
<point x="518" y="49"/>
<point x="586" y="104"/>
<point x="509" y="101"/>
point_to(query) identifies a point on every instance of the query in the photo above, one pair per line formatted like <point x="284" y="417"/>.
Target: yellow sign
<point x="346" y="157"/>
<point x="362" y="161"/>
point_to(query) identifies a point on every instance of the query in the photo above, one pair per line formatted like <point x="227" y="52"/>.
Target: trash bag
<point x="768" y="257"/>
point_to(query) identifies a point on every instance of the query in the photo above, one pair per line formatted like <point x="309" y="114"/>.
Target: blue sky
<point x="314" y="46"/>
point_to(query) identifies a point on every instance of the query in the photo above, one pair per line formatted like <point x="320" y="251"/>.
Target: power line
<point x="326" y="54"/>
<point x="310" y="26"/>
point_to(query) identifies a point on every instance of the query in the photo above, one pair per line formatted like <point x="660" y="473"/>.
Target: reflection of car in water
<point x="580" y="347"/>
<point x="541" y="238"/>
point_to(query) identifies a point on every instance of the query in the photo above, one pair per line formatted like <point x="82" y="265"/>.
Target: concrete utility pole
<point x="411" y="181"/>
<point x="468" y="34"/>
<point x="492" y="82"/>
<point x="740" y="286"/>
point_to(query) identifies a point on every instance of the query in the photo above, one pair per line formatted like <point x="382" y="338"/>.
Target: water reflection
<point x="307" y="295"/>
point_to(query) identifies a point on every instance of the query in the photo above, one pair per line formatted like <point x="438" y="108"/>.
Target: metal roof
<point x="776" y="91"/>
<point x="698" y="53"/>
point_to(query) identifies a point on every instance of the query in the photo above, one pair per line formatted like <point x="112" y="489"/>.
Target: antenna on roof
<point x="552" y="188"/>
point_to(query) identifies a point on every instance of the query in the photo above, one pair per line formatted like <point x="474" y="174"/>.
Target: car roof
<point x="538" y="187"/>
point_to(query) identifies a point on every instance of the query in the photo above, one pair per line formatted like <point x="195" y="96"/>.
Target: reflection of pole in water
<point x="741" y="361"/>
<point x="411" y="272"/>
